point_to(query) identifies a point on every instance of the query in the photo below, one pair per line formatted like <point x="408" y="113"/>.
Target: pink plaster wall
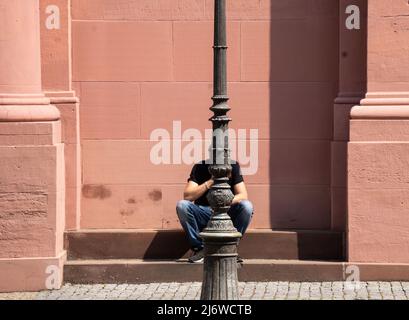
<point x="140" y="64"/>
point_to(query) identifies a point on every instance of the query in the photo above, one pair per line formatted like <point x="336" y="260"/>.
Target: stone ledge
<point x="375" y="112"/>
<point x="139" y="271"/>
<point x="29" y="274"/>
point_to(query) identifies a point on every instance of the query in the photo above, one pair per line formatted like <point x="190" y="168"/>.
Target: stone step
<point x="141" y="271"/>
<point x="172" y="244"/>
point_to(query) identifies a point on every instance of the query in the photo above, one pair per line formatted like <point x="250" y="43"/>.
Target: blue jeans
<point x="194" y="219"/>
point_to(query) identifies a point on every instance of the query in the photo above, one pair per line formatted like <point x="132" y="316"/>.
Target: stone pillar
<point x="55" y="17"/>
<point x="32" y="188"/>
<point x="378" y="152"/>
<point x="351" y="89"/>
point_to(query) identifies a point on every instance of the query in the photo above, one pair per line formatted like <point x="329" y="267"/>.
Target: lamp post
<point x="220" y="237"/>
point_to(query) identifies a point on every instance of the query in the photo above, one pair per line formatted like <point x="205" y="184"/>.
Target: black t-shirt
<point x="200" y="174"/>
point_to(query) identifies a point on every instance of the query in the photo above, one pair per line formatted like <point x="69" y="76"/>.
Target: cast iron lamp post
<point x="220" y="237"/>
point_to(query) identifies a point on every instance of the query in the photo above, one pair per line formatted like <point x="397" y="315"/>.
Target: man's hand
<point x="240" y="193"/>
<point x="194" y="191"/>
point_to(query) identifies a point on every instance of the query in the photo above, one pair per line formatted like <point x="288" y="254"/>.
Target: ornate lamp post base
<point x="220" y="269"/>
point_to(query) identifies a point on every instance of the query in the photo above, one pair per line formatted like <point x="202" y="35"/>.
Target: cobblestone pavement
<point x="248" y="291"/>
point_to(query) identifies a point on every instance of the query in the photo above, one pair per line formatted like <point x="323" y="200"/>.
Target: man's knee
<point x="247" y="207"/>
<point x="182" y="209"/>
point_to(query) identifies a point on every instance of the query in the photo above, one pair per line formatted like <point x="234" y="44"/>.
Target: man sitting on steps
<point x="194" y="211"/>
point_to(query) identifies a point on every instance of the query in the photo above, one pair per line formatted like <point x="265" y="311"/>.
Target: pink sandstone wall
<point x="56" y="58"/>
<point x="138" y="65"/>
<point x="378" y="166"/>
<point x="351" y="89"/>
<point x="32" y="175"/>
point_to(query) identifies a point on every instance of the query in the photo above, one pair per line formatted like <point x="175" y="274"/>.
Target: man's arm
<point x="240" y="193"/>
<point x="194" y="191"/>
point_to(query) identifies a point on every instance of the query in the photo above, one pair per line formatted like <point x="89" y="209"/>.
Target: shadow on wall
<point x="303" y="55"/>
<point x="303" y="81"/>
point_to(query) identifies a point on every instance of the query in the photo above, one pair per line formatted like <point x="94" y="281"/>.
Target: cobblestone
<point x="248" y="291"/>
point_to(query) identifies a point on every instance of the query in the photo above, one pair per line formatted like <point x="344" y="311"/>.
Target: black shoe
<point x="197" y="256"/>
<point x="239" y="259"/>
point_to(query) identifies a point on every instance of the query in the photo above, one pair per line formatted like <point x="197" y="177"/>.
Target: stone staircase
<point x="143" y="256"/>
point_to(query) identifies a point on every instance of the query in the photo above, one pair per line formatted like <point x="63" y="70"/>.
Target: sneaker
<point x="197" y="256"/>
